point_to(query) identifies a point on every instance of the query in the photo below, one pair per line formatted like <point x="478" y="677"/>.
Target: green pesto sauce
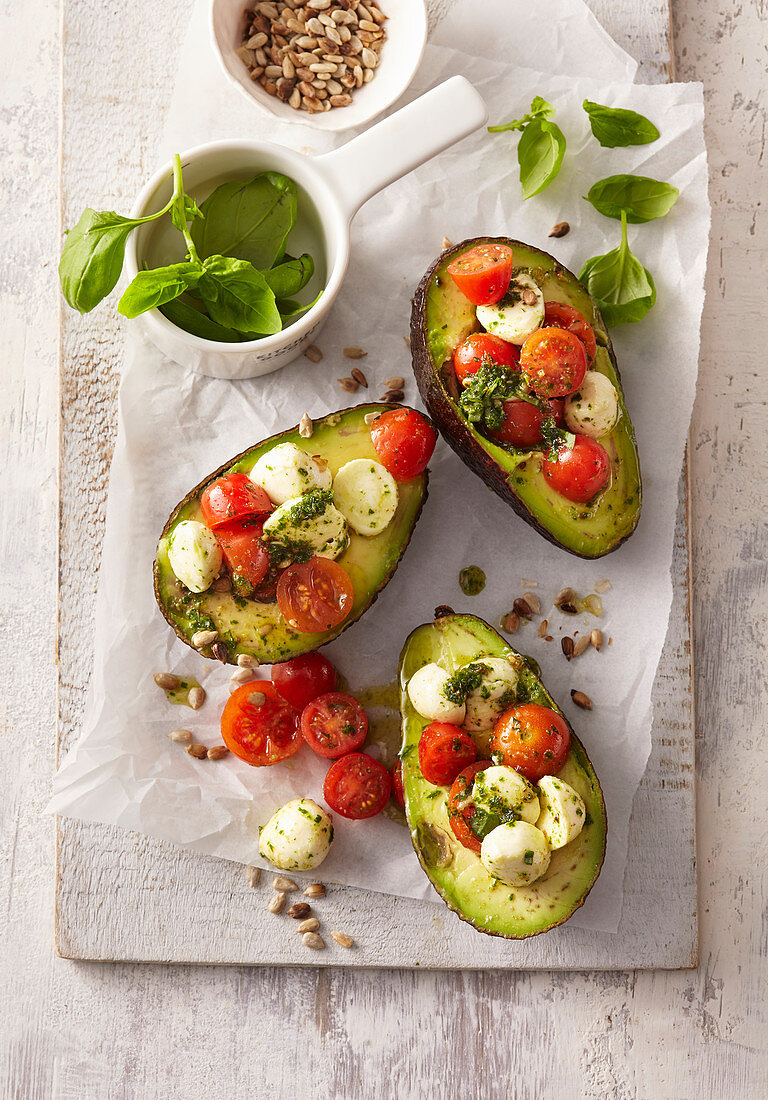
<point x="472" y="580"/>
<point x="180" y="696"/>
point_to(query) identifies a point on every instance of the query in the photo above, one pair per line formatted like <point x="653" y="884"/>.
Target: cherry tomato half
<point x="244" y="553"/>
<point x="532" y="739"/>
<point x="444" y="751"/>
<point x="480" y="347"/>
<point x="304" y="678"/>
<point x="563" y="316"/>
<point x="315" y="595"/>
<point x="461" y="809"/>
<point x="555" y="361"/>
<point x="579" y="472"/>
<point x="260" y="733"/>
<point x="483" y="273"/>
<point x="522" y="422"/>
<point x="334" y="724"/>
<point x="397" y="784"/>
<point x="404" y="442"/>
<point x="357" y="786"/>
<point x="232" y="497"/>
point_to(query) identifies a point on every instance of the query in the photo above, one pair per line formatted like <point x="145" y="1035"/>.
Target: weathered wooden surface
<point x="80" y="1031"/>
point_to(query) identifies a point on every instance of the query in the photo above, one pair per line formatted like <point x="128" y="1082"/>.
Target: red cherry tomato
<point x="579" y="472"/>
<point x="444" y="751"/>
<point x="244" y="553"/>
<point x="397" y="784"/>
<point x="304" y="678"/>
<point x="563" y="316"/>
<point x="404" y="442"/>
<point x="532" y="739"/>
<point x="522" y="422"/>
<point x="483" y="273"/>
<point x="461" y="809"/>
<point x="357" y="786"/>
<point x="315" y="595"/>
<point x="555" y="361"/>
<point x="231" y="497"/>
<point x="260" y="733"/>
<point x="334" y="724"/>
<point x="480" y="347"/>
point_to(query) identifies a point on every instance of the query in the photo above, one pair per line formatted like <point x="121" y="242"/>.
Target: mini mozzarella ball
<point x="515" y="852"/>
<point x="500" y="788"/>
<point x="194" y="554"/>
<point x="366" y="495"/>
<point x="298" y="836"/>
<point x="322" y="530"/>
<point x="562" y="811"/>
<point x="495" y="694"/>
<point x="286" y="471"/>
<point x="426" y="690"/>
<point x="594" y="409"/>
<point x="513" y="319"/>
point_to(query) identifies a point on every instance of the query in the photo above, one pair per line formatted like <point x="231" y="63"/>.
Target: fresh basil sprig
<point x="641" y="198"/>
<point x="249" y="221"/>
<point x="541" y="148"/>
<point x="622" y="288"/>
<point x="616" y="126"/>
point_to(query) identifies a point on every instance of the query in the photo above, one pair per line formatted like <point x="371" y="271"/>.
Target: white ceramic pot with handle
<point x="331" y="187"/>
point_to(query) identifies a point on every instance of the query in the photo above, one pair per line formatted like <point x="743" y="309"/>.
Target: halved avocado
<point x="258" y="629"/>
<point x="441" y="319"/>
<point x="456" y="872"/>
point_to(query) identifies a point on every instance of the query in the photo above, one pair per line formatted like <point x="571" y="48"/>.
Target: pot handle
<point x="370" y="162"/>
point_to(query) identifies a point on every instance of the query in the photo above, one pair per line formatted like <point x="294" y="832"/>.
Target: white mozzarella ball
<point x="495" y="694"/>
<point x="513" y="318"/>
<point x="594" y="409"/>
<point x="562" y="811"/>
<point x="366" y="495"/>
<point x="426" y="690"/>
<point x="312" y="522"/>
<point x="500" y="788"/>
<point x="515" y="852"/>
<point x="194" y="554"/>
<point x="286" y="471"/>
<point x="298" y="836"/>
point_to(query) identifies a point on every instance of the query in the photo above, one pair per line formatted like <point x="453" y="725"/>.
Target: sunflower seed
<point x="369" y="418"/>
<point x="581" y="645"/>
<point x="566" y="644"/>
<point x="311" y="939"/>
<point x="315" y="890"/>
<point x="204" y="637"/>
<point x="220" y="652"/>
<point x="276" y="903"/>
<point x="306" y="427"/>
<point x="300" y="910"/>
<point x="581" y="700"/>
<point x="510" y="623"/>
<point x="264" y="629"/>
<point x="245" y="660"/>
<point x="181" y="737"/>
<point x="358" y="376"/>
<point x="257" y="698"/>
<point x="447" y="243"/>
<point x="522" y="608"/>
<point x="565" y="601"/>
<point x="543" y="627"/>
<point x="369" y="58"/>
<point x="603" y="586"/>
<point x="167" y="681"/>
<point x="253" y="874"/>
<point x="533" y="602"/>
<point x="241" y="676"/>
<point x="310" y="925"/>
<point x="596" y="639"/>
<point x="394" y="383"/>
<point x="222" y="584"/>
<point x="198" y="751"/>
<point x="354" y="353"/>
<point x="318" y="5"/>
<point x="593" y="604"/>
<point x="283" y="885"/>
<point x="196" y="697"/>
<point x="559" y="229"/>
<point x="349" y="384"/>
<point x="313" y="353"/>
<point x="217" y="752"/>
<point x="342" y="939"/>
<point x="392" y="397"/>
<point x="256" y="41"/>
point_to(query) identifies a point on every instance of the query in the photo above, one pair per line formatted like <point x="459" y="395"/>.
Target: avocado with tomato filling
<point x="441" y="319"/>
<point x="255" y="626"/>
<point x="456" y="872"/>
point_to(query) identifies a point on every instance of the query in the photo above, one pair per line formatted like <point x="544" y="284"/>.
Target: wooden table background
<point x="99" y="1030"/>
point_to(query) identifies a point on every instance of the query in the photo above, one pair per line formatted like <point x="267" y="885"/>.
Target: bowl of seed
<point x="329" y="64"/>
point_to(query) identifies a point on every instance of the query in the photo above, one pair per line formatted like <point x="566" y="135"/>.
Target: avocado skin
<point x="452" y="426"/>
<point x="304" y="642"/>
<point x="490" y="643"/>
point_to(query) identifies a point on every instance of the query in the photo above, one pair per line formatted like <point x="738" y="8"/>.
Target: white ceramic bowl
<point x="406" y="29"/>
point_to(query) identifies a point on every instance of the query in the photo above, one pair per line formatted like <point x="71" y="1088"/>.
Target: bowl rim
<point x="304" y="118"/>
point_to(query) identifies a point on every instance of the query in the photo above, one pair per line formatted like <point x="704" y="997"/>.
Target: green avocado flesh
<point x="370" y="562"/>
<point x="589" y="530"/>
<point x="456" y="872"/>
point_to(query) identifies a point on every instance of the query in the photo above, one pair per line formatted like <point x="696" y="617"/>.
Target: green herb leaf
<point x="237" y="296"/>
<point x="539" y="109"/>
<point x="540" y="153"/>
<point x="615" y="126"/>
<point x="249" y="220"/>
<point x="290" y="277"/>
<point x="92" y="257"/>
<point x="157" y="286"/>
<point x="640" y="197"/>
<point x="290" y="308"/>
<point x="623" y="289"/>
<point x="187" y="317"/>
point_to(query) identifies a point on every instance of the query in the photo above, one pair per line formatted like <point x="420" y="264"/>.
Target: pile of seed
<point x="300" y="911"/>
<point x="313" y="54"/>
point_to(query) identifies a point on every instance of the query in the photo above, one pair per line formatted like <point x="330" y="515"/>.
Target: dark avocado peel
<point x="456" y="872"/>
<point x="258" y="629"/>
<point x="441" y="318"/>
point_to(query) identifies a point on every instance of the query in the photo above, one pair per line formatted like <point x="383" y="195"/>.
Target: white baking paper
<point x="174" y="427"/>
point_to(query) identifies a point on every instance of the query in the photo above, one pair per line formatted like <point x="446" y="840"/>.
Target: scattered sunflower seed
<point x="310" y="925"/>
<point x="358" y="376"/>
<point x="204" y="637"/>
<point x="581" y="645"/>
<point x="181" y="737"/>
<point x="446" y="243"/>
<point x="559" y="230"/>
<point x="533" y="602"/>
<point x="565" y="601"/>
<point x="245" y="660"/>
<point x="342" y="939"/>
<point x="242" y="675"/>
<point x="395" y="383"/>
<point x="196" y="697"/>
<point x="354" y="353"/>
<point x="220" y="652"/>
<point x="284" y="885"/>
<point x="300" y="910"/>
<point x="369" y="418"/>
<point x="167" y="681"/>
<point x="593" y="604"/>
<point x="392" y="397"/>
<point x="543" y="626"/>
<point x="217" y="752"/>
<point x="253" y="874"/>
<point x="527" y="583"/>
<point x="276" y="903"/>
<point x="306" y="427"/>
<point x="315" y="890"/>
<point x="566" y="644"/>
<point x="510" y="623"/>
<point x="313" y="353"/>
<point x="264" y="629"/>
<point x="603" y="586"/>
<point x="349" y="384"/>
<point x="522" y="608"/>
<point x="257" y="698"/>
<point x="198" y="751"/>
<point x="311" y="939"/>
<point x="581" y="700"/>
<point x="596" y="639"/>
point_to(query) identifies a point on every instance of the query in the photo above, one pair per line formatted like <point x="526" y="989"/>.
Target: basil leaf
<point x="157" y="286"/>
<point x="237" y="296"/>
<point x="614" y="126"/>
<point x="193" y="320"/>
<point x="641" y="198"/>
<point x="290" y="308"/>
<point x="92" y="257"/>
<point x="622" y="288"/>
<point x="539" y="109"/>
<point x="540" y="153"/>
<point x="247" y="219"/>
<point x="289" y="278"/>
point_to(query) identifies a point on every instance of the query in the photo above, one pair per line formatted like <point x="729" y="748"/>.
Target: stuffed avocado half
<point x="521" y="471"/>
<point x="315" y="519"/>
<point x="506" y="906"/>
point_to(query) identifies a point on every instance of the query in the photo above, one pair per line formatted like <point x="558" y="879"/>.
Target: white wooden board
<point x="122" y="896"/>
